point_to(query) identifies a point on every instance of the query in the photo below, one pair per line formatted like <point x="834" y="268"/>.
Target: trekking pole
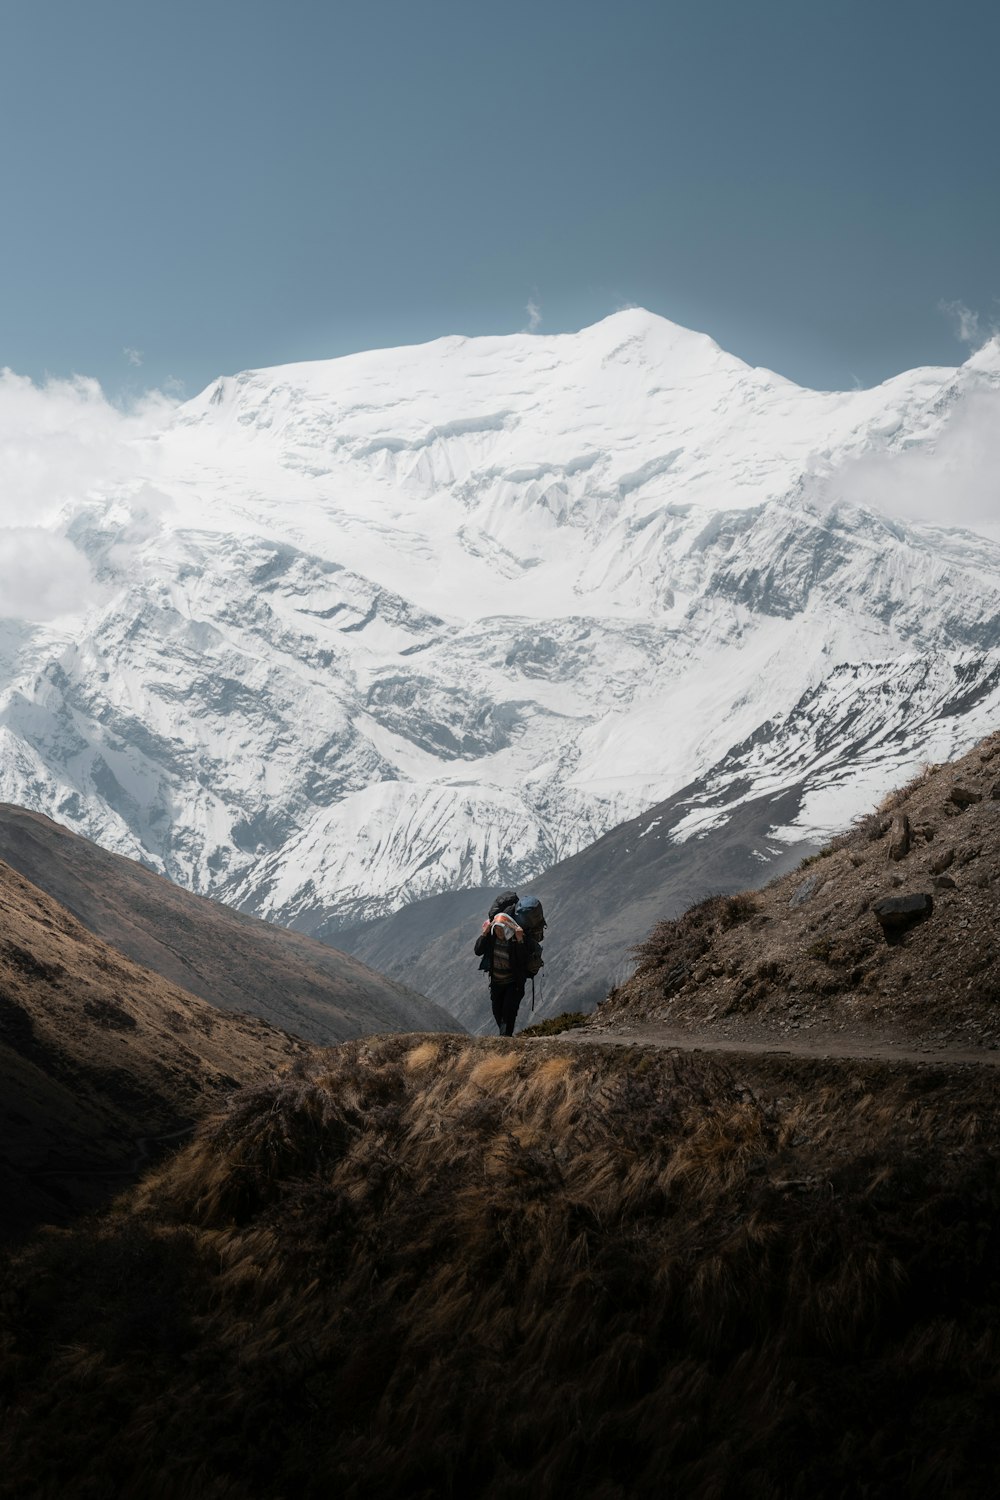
<point x="532" y="994"/>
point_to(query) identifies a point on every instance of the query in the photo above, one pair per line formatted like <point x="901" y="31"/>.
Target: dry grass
<point x="448" y="1268"/>
<point x="568" y="1020"/>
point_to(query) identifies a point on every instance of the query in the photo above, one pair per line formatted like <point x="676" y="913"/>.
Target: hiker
<point x="510" y="954"/>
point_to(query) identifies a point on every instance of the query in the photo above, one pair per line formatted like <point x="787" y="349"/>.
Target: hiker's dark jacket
<point x="504" y="962"/>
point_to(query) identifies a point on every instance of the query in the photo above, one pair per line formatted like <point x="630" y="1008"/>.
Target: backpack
<point x="530" y="918"/>
<point x="506" y="902"/>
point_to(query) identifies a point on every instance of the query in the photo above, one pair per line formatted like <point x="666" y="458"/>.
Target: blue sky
<point x="230" y="183"/>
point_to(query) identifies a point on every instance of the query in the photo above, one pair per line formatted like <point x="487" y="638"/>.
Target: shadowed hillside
<point x="99" y="1059"/>
<point x="890" y="931"/>
<point x="234" y="961"/>
<point x="432" y="1267"/>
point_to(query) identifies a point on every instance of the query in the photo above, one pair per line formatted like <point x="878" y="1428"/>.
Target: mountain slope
<point x="100" y="1059"/>
<point x="737" y="826"/>
<point x="233" y="961"/>
<point x="598" y="904"/>
<point x="375" y="628"/>
<point x="809" y="956"/>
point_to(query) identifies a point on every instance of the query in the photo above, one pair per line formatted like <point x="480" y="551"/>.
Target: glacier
<point x="368" y="629"/>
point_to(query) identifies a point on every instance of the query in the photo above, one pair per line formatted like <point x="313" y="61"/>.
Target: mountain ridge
<point x="423" y="619"/>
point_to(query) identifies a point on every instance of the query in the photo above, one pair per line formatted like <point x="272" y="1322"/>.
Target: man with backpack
<point x="510" y="952"/>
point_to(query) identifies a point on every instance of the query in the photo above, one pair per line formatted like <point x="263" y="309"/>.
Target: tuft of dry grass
<point x="568" y="1020"/>
<point x="425" y="1055"/>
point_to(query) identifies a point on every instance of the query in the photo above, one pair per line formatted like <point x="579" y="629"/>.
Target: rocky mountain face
<point x="373" y="629"/>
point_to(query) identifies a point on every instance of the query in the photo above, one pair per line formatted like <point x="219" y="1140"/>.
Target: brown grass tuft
<point x="423" y="1055"/>
<point x="492" y="1070"/>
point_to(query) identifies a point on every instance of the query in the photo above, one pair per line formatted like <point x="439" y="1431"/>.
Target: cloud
<point x="134" y="356"/>
<point x="42" y="574"/>
<point x="950" y="480"/>
<point x="534" y="311"/>
<point x="64" y="441"/>
<point x="967" y="325"/>
<point x="62" y="445"/>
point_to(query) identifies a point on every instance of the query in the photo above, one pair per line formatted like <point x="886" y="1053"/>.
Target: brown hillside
<point x="807" y="954"/>
<point x="421" y="1268"/>
<point x="232" y="960"/>
<point x="99" y="1058"/>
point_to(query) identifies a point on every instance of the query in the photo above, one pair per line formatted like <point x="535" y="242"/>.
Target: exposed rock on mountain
<point x="432" y="618"/>
<point x="234" y="961"/>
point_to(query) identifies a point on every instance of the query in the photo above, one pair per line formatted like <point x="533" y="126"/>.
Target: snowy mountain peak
<point x="376" y="626"/>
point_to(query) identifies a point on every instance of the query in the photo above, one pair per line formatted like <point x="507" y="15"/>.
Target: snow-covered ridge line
<point x="375" y="627"/>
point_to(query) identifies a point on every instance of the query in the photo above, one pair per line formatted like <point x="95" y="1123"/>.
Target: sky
<point x="189" y="189"/>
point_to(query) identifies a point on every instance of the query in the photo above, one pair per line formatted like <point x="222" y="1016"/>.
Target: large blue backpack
<point x="529" y="916"/>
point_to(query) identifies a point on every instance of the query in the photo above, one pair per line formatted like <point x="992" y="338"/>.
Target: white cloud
<point x="534" y="311"/>
<point x="61" y="445"/>
<point x="134" y="356"/>
<point x="967" y="325"/>
<point x="953" y="480"/>
<point x="42" y="575"/>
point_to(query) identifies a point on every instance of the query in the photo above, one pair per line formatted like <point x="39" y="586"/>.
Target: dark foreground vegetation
<point x="426" y="1267"/>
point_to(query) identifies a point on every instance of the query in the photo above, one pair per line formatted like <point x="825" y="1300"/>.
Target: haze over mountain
<point x="369" y="629"/>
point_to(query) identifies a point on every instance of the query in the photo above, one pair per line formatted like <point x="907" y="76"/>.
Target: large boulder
<point x="962" y="796"/>
<point x="897" y="914"/>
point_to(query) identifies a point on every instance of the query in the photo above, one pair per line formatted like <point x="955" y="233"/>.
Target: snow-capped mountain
<point x="381" y="626"/>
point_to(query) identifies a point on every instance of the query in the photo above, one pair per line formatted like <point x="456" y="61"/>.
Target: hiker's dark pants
<point x="505" y="999"/>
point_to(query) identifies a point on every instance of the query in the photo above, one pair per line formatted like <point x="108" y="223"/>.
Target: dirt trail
<point x="819" y="1046"/>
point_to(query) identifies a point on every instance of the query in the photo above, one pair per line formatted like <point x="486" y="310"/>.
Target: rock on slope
<point x="374" y="628"/>
<point x="99" y="1058"/>
<point x="234" y="961"/>
<point x="810" y="955"/>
